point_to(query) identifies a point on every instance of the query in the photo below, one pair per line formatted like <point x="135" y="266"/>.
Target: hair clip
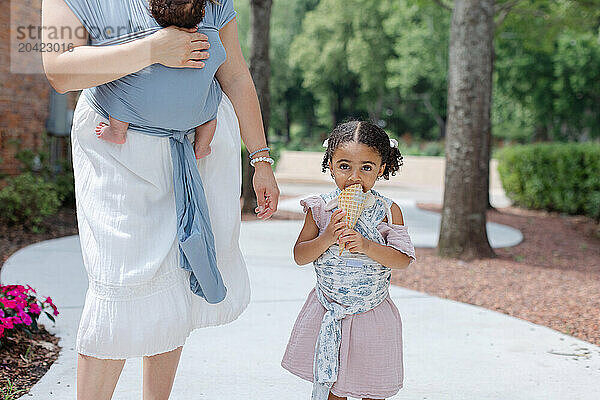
<point x="326" y="143"/>
<point x="394" y="143"/>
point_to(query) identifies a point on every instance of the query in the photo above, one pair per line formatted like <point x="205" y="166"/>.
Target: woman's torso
<point x="157" y="96"/>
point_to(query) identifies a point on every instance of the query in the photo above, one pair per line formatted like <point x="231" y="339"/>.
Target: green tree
<point x="577" y="85"/>
<point x="290" y="101"/>
<point x="463" y="226"/>
<point x="419" y="66"/>
<point x="369" y="48"/>
<point x="530" y="62"/>
<point x="320" y="51"/>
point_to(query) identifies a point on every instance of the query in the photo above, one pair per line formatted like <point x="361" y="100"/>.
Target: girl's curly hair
<point x="366" y="133"/>
<point x="181" y="13"/>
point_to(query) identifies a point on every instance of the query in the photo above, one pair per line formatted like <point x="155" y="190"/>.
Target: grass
<point x="10" y="392"/>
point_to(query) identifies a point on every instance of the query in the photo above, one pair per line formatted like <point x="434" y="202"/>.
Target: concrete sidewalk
<point x="451" y="350"/>
<point x="420" y="178"/>
<point x="423" y="226"/>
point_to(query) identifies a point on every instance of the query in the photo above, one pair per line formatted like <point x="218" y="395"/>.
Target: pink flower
<point x="2" y="315"/>
<point x="48" y="300"/>
<point x="1" y="331"/>
<point x="17" y="320"/>
<point x="20" y="305"/>
<point x="30" y="288"/>
<point x="27" y="319"/>
<point x="7" y="322"/>
<point x="8" y="303"/>
<point x="34" y="308"/>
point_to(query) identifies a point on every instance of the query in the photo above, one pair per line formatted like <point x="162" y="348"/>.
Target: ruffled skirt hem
<point x="379" y="394"/>
<point x="167" y="320"/>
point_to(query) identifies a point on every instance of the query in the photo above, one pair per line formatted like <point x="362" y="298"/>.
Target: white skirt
<point x="138" y="301"/>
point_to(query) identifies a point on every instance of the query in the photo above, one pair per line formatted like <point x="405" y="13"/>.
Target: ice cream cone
<point x="352" y="200"/>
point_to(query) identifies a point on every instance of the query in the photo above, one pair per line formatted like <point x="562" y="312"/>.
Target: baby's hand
<point x="335" y="227"/>
<point x="354" y="241"/>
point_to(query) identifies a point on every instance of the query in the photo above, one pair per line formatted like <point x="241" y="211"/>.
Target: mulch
<point x="24" y="360"/>
<point x="552" y="278"/>
<point x="12" y="238"/>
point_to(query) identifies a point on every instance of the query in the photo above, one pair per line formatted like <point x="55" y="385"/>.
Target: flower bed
<point x="20" y="309"/>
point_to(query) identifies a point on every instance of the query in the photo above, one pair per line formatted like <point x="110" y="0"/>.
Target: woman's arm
<point x="236" y="81"/>
<point x="86" y="66"/>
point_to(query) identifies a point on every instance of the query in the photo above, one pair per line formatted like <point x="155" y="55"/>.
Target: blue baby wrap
<point x="166" y="102"/>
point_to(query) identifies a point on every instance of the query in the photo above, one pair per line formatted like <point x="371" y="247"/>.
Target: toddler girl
<point x="184" y="14"/>
<point x="347" y="338"/>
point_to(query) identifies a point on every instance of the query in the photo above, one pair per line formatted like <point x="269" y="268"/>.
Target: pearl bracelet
<point x="259" y="159"/>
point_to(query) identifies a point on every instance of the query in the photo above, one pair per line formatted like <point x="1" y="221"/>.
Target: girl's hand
<point x="354" y="241"/>
<point x="267" y="192"/>
<point x="179" y="47"/>
<point x="335" y="227"/>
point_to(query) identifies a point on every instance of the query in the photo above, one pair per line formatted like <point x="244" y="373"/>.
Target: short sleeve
<point x="83" y="11"/>
<point x="317" y="206"/>
<point x="397" y="236"/>
<point x="224" y="13"/>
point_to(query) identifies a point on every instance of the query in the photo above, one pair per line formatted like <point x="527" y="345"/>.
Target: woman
<point x="139" y="301"/>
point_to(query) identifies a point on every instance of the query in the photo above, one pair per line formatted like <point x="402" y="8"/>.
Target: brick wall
<point x="23" y="97"/>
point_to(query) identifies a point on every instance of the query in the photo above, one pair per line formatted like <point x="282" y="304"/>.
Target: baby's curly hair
<point x="181" y="13"/>
<point x="369" y="134"/>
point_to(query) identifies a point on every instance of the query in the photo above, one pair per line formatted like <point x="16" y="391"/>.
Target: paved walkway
<point x="423" y="226"/>
<point x="452" y="350"/>
<point x="420" y="177"/>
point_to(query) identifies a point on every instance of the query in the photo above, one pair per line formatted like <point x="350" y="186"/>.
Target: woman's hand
<point x="179" y="47"/>
<point x="354" y="242"/>
<point x="267" y="192"/>
<point x="335" y="227"/>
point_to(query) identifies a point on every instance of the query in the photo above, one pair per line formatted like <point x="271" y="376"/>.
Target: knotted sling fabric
<point x="356" y="284"/>
<point x="166" y="102"/>
<point x="350" y="283"/>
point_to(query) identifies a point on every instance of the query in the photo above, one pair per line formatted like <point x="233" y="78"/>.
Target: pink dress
<point x="370" y="360"/>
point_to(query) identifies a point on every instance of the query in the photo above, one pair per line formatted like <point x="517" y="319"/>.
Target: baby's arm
<point x="310" y="245"/>
<point x="385" y="255"/>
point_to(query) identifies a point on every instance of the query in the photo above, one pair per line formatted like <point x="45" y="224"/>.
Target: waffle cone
<point x="352" y="200"/>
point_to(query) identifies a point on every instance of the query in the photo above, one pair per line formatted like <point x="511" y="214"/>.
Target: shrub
<point x="65" y="184"/>
<point x="20" y="309"/>
<point x="38" y="163"/>
<point x="27" y="200"/>
<point x="434" y="149"/>
<point x="562" y="177"/>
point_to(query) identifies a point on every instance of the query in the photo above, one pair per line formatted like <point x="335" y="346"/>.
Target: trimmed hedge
<point x="562" y="177"/>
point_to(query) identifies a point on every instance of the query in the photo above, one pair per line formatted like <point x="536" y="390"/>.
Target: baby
<point x="184" y="14"/>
